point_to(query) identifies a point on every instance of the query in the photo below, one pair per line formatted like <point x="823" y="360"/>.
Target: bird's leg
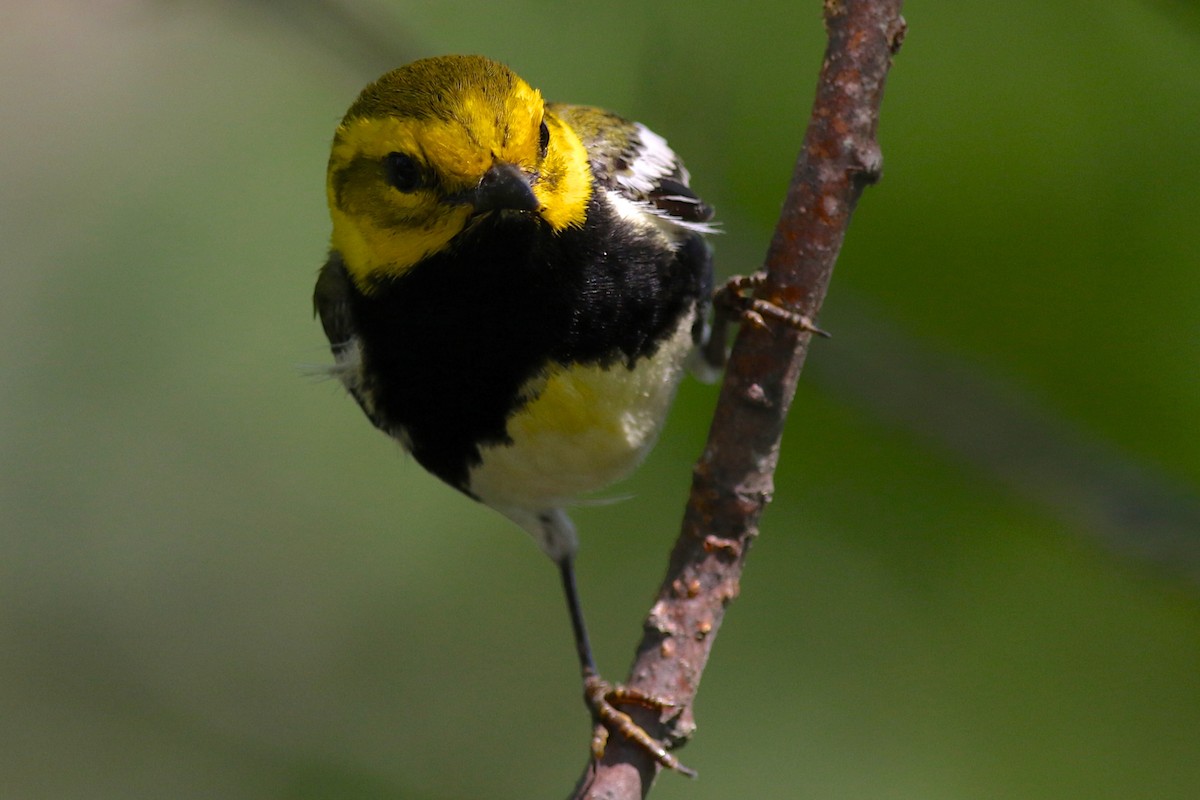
<point x="603" y="698"/>
<point x="734" y="303"/>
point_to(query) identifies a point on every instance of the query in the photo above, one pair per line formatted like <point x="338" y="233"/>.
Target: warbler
<point x="513" y="291"/>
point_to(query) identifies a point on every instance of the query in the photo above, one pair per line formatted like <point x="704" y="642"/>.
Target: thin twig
<point x="732" y="482"/>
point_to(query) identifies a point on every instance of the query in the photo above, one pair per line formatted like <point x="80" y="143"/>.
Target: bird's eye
<point x="543" y="139"/>
<point x="402" y="171"/>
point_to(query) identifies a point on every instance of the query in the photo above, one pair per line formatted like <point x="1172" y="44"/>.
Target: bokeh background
<point x="980" y="578"/>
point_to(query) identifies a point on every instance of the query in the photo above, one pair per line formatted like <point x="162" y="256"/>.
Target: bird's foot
<point x="603" y="698"/>
<point x="734" y="302"/>
<point x="734" y="298"/>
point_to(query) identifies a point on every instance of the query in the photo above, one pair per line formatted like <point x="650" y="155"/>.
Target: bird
<point x="513" y="291"/>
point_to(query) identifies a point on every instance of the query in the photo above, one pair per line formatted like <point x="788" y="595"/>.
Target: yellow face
<point x="413" y="158"/>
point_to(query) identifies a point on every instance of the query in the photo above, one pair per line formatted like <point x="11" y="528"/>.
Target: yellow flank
<point x="586" y="428"/>
<point x="380" y="230"/>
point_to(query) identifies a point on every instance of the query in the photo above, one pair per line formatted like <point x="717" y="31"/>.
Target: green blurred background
<point x="981" y="574"/>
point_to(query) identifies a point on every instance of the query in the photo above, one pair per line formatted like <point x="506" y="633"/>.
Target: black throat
<point x="450" y="343"/>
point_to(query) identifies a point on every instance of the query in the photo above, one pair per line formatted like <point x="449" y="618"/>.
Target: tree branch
<point x="732" y="482"/>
